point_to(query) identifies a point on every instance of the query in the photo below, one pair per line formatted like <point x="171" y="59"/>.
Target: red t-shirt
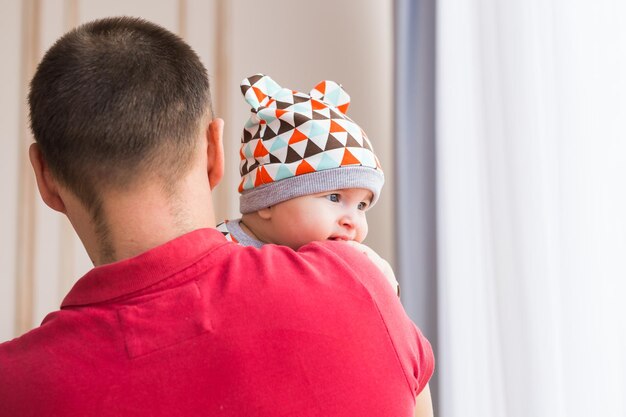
<point x="203" y="327"/>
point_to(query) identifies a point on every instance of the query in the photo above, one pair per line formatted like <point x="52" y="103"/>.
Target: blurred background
<point x="501" y="128"/>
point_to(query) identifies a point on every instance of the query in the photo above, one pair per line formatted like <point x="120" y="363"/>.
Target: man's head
<point x="125" y="146"/>
<point x="116" y="100"/>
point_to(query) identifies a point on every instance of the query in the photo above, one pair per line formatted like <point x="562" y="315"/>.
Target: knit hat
<point x="297" y="144"/>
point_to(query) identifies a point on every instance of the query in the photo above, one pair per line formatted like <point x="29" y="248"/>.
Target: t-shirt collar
<point x="110" y="281"/>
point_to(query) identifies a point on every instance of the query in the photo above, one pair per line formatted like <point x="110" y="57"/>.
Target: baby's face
<point x="332" y="215"/>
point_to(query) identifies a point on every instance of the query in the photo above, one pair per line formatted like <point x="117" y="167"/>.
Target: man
<point x="173" y="319"/>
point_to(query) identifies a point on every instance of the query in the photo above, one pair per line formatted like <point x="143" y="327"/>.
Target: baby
<point x="308" y="171"/>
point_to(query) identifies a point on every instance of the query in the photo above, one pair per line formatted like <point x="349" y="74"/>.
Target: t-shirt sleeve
<point x="427" y="360"/>
<point x="413" y="350"/>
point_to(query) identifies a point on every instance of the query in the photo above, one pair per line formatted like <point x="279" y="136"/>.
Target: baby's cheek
<point x="363" y="229"/>
<point x="310" y="229"/>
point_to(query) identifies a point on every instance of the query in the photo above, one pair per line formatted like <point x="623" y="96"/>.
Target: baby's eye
<point x="362" y="205"/>
<point x="333" y="197"/>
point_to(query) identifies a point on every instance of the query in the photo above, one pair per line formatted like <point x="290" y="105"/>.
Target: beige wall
<point x="298" y="43"/>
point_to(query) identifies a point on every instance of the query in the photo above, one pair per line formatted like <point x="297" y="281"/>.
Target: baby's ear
<point x="258" y="89"/>
<point x="332" y="94"/>
<point x="265" y="213"/>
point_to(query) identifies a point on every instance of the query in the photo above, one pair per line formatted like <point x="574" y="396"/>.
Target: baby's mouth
<point x="342" y="238"/>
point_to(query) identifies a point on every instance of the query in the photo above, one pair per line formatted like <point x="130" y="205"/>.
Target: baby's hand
<point x="377" y="260"/>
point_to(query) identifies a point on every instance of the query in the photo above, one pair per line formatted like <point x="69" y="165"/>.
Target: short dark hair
<point x="115" y="99"/>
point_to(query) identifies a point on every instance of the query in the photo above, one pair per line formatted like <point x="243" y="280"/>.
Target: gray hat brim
<point x="315" y="182"/>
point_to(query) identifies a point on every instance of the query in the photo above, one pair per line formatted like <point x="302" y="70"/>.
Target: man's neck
<point x="142" y="221"/>
<point x="136" y="221"/>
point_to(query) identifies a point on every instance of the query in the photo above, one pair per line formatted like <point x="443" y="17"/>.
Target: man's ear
<point x="215" y="152"/>
<point x="46" y="183"/>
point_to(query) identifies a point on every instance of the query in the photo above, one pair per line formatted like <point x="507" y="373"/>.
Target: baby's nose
<point x="347" y="220"/>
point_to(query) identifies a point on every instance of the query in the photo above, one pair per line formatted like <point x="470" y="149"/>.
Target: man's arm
<point x="424" y="404"/>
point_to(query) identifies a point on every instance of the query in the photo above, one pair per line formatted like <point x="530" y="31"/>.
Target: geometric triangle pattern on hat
<point x="291" y="133"/>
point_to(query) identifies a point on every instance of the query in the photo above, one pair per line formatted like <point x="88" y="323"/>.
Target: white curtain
<point x="531" y="207"/>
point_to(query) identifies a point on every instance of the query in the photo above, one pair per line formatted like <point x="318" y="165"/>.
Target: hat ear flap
<point x="258" y="89"/>
<point x="332" y="94"/>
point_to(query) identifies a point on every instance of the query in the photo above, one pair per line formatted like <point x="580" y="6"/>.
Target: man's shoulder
<point x="347" y="259"/>
<point x="316" y="258"/>
<point x="279" y="271"/>
<point x="312" y="253"/>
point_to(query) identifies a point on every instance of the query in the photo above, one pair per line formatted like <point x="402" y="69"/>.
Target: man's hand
<point x="382" y="264"/>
